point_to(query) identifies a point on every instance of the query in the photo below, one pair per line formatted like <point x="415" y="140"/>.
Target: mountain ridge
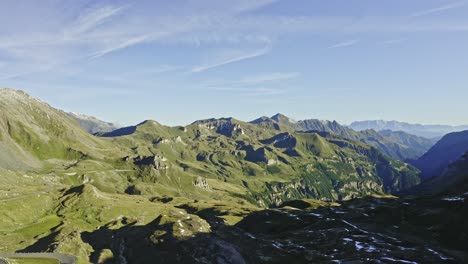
<point x="404" y="146"/>
<point x="92" y="124"/>
<point x="427" y="131"/>
<point x="446" y="151"/>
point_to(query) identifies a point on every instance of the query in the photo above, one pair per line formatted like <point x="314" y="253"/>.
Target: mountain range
<point x="427" y="131"/>
<point x="397" y="145"/>
<point x="221" y="190"/>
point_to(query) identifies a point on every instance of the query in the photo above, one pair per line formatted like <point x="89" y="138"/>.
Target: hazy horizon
<point x="248" y="119"/>
<point x="188" y="60"/>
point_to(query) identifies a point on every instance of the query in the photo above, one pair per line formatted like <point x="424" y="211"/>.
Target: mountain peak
<point x="278" y="116"/>
<point x="149" y="122"/>
<point x="92" y="124"/>
<point x="282" y="118"/>
<point x="9" y="94"/>
<point x="260" y="120"/>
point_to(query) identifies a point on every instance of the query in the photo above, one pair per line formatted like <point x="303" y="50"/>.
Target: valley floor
<point x="100" y="227"/>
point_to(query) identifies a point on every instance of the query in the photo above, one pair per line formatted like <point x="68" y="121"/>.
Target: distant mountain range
<point x="92" y="124"/>
<point x="395" y="144"/>
<point x="427" y="131"/>
<point x="399" y="145"/>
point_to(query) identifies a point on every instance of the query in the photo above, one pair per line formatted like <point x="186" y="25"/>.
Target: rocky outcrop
<point x="201" y="183"/>
<point x="279" y="192"/>
<point x="156" y="161"/>
<point x="223" y="126"/>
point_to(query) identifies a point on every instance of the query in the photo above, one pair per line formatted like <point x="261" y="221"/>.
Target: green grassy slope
<point x="64" y="190"/>
<point x="398" y="145"/>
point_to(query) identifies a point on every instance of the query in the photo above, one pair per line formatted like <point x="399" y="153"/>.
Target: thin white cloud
<point x="92" y="18"/>
<point x="344" y="44"/>
<point x="248" y="91"/>
<point x="231" y="57"/>
<point x="437" y="9"/>
<point x="253" y="80"/>
<point x="269" y="77"/>
<point x="125" y="44"/>
<point x="248" y="6"/>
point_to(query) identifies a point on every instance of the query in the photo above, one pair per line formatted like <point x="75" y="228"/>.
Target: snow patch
<point x="399" y="260"/>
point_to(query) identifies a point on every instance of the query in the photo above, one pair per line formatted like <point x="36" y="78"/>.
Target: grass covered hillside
<point x="32" y="133"/>
<point x="395" y="144"/>
<point x="266" y="166"/>
<point x="64" y="190"/>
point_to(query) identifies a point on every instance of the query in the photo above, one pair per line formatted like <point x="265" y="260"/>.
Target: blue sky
<point x="179" y="61"/>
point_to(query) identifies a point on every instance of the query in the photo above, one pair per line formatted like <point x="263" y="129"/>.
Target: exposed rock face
<point x="178" y="225"/>
<point x="163" y="141"/>
<point x="157" y="162"/>
<point x="179" y="140"/>
<point x="223" y="126"/>
<point x="358" y="188"/>
<point x="273" y="162"/>
<point x="280" y="192"/>
<point x="201" y="182"/>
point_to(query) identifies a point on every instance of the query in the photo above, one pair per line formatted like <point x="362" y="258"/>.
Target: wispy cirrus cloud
<point x="345" y="44"/>
<point x="269" y="77"/>
<point x="119" y="46"/>
<point x="92" y="18"/>
<point x="247" y="6"/>
<point x="249" y="91"/>
<point x="437" y="9"/>
<point x="230" y="56"/>
<point x="247" y="82"/>
<point x="257" y="85"/>
<point x="94" y="32"/>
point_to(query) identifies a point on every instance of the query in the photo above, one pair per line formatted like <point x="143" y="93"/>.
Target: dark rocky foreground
<point x="370" y="230"/>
